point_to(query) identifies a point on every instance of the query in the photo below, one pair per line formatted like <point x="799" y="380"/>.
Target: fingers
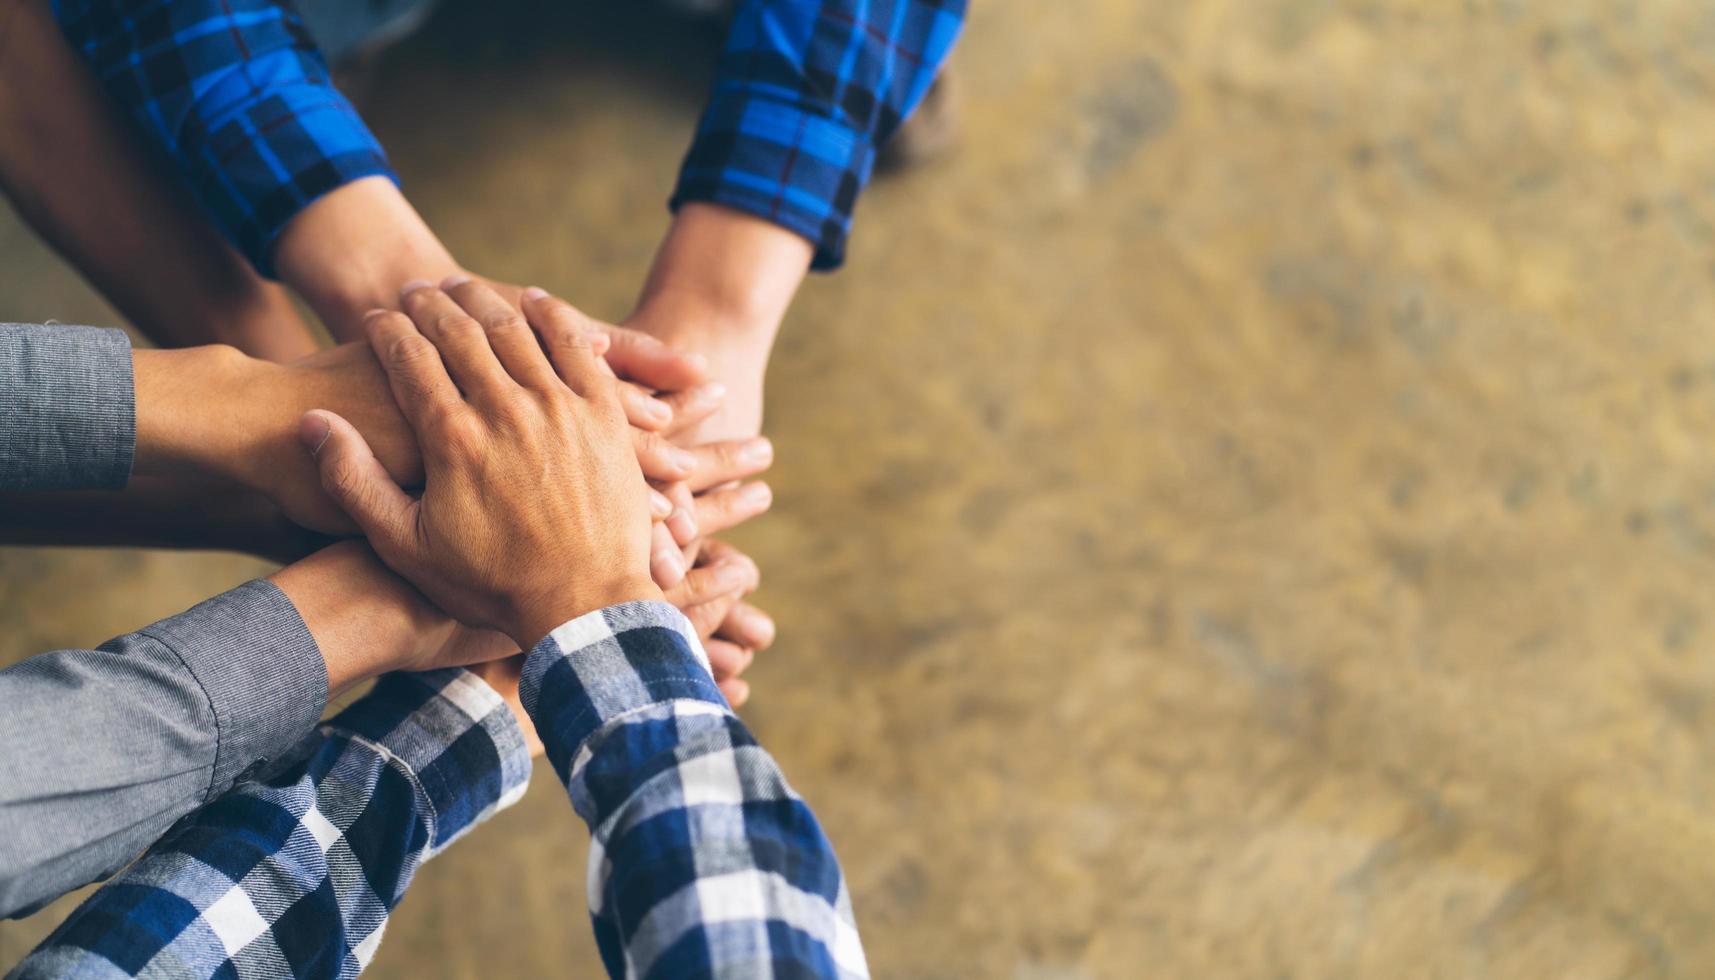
<point x="726" y="578"/>
<point x="509" y="335"/>
<point x="659" y="459"/>
<point x="734" y="459"/>
<point x="415" y="371"/>
<point x="660" y="508"/>
<point x="707" y="617"/>
<point x="748" y="627"/>
<point x="682" y="522"/>
<point x="718" y="510"/>
<point x="355" y="480"/>
<point x="692" y="405"/>
<point x="636" y="356"/>
<point x="463" y="345"/>
<point x="735" y="691"/>
<point x="564" y="332"/>
<point x="666" y="561"/>
<point x="644" y="410"/>
<point x="727" y="660"/>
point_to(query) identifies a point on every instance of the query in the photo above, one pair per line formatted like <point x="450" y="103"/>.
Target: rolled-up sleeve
<point x="236" y="93"/>
<point x="805" y="94"/>
<point x="67" y="408"/>
<point x="106" y="748"/>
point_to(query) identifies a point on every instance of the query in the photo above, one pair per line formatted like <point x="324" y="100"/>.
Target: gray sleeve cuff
<point x="261" y="670"/>
<point x="67" y="408"/>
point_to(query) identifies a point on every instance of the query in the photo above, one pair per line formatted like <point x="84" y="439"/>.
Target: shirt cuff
<point x="260" y="669"/>
<point x="800" y="170"/>
<point x="457" y="737"/>
<point x="67" y="408"/>
<point x="609" y="663"/>
<point x="260" y="166"/>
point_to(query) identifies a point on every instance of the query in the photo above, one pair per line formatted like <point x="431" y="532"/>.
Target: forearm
<point x="336" y="838"/>
<point x="106" y="748"/>
<point x="350" y="251"/>
<point x="80" y="177"/>
<point x="691" y="820"/>
<point x="725" y="273"/>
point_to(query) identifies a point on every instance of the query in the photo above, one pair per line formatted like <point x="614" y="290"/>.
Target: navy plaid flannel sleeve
<point x="294" y="875"/>
<point x="703" y="861"/>
<point x="805" y="93"/>
<point x="236" y="94"/>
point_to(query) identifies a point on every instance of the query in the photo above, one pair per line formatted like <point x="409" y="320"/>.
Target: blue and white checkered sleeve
<point x="703" y="861"/>
<point x="237" y="96"/>
<point x="805" y="93"/>
<point x="294" y="875"/>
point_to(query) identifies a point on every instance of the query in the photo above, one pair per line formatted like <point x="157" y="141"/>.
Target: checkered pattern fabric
<point x="703" y="861"/>
<point x="294" y="875"/>
<point x="806" y="92"/>
<point x="238" y="96"/>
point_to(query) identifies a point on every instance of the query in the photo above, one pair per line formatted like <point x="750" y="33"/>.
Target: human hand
<point x="711" y="596"/>
<point x="534" y="510"/>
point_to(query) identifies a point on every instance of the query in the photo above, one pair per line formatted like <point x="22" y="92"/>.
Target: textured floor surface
<point x="1248" y="513"/>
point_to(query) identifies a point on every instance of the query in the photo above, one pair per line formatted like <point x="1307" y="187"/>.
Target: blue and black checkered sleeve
<point x="806" y="92"/>
<point x="236" y="94"/>
<point x="703" y="861"/>
<point x="295" y="875"/>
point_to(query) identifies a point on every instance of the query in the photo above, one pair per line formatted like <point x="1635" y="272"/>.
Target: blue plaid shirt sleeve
<point x="236" y="94"/>
<point x="703" y="861"/>
<point x="805" y="93"/>
<point x="294" y="875"/>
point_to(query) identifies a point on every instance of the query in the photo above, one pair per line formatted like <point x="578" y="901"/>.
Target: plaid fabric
<point x="238" y="96"/>
<point x="703" y="861"/>
<point x="805" y="94"/>
<point x="294" y="875"/>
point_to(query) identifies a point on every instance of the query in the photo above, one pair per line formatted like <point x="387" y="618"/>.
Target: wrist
<point x="723" y="274"/>
<point x="193" y="408"/>
<point x="542" y="615"/>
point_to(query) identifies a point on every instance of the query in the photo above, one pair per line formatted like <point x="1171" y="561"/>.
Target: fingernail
<point x="714" y="391"/>
<point x="683" y="526"/>
<point x="657" y="410"/>
<point x="756" y="452"/>
<point x="698" y="362"/>
<point x="414" y="285"/>
<point x="314" y="430"/>
<point x="659" y="505"/>
<point x="729" y="577"/>
<point x="740" y="693"/>
<point x="667" y="567"/>
<point x="455" y="280"/>
<point x="682" y="460"/>
<point x="757" y="494"/>
<point x="535" y="293"/>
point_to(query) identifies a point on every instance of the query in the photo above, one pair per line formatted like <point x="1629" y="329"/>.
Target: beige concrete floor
<point x="1247" y="514"/>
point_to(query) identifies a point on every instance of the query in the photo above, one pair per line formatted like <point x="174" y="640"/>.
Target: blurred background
<point x="1245" y="512"/>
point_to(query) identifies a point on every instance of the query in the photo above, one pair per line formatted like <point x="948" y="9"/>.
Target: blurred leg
<point x="75" y="173"/>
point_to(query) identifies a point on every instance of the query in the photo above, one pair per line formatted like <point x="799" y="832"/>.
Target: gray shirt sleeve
<point x="67" y="408"/>
<point x="102" y="750"/>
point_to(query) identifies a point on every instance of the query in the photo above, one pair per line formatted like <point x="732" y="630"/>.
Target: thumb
<point x="356" y="480"/>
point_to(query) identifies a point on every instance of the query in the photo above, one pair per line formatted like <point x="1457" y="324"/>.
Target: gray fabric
<point x="102" y="750"/>
<point x="67" y="408"/>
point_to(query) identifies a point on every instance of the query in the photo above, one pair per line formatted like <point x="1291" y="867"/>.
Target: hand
<point x="534" y="510"/>
<point x="711" y="597"/>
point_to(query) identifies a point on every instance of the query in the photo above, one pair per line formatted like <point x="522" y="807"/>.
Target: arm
<point x="296" y="874"/>
<point x="704" y="862"/>
<point x="77" y="173"/>
<point x="237" y="96"/>
<point x="105" y="748"/>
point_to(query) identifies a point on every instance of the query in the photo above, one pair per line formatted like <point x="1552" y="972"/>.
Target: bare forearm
<point x="73" y="169"/>
<point x="349" y="252"/>
<point x="727" y="271"/>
